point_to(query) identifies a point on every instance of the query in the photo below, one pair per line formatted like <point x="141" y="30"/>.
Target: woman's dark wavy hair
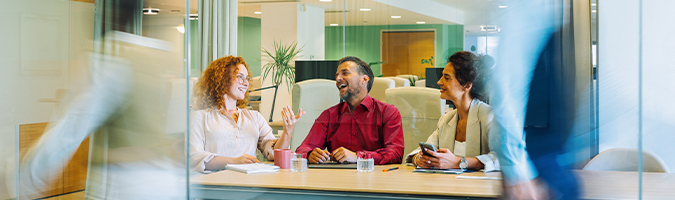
<point x="475" y="69"/>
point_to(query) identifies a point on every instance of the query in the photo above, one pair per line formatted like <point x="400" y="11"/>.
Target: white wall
<point x="618" y="44"/>
<point x="470" y="41"/>
<point x="163" y="27"/>
<point x="43" y="50"/>
<point x="287" y="23"/>
<point x="311" y="32"/>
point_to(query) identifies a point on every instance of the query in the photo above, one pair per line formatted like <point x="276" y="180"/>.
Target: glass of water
<point x="298" y="162"/>
<point x="365" y="162"/>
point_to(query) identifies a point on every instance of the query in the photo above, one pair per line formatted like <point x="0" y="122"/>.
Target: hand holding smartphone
<point x="431" y="147"/>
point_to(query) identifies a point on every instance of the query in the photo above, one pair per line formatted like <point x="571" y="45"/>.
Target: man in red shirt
<point x="358" y="124"/>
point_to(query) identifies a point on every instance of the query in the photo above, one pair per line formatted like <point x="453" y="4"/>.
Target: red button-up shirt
<point x="374" y="128"/>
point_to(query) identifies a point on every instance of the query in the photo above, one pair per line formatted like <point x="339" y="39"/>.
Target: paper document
<point x="440" y="171"/>
<point x="253" y="168"/>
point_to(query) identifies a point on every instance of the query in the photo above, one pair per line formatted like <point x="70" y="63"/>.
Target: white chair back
<point x="400" y="82"/>
<point x="420" y="109"/>
<point x="408" y="76"/>
<point x="313" y="96"/>
<point x="381" y="84"/>
<point x="626" y="160"/>
<point x="421" y="83"/>
<point x="255" y="83"/>
<point x="175" y="101"/>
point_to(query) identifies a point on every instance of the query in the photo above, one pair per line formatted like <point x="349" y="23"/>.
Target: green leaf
<point x="279" y="66"/>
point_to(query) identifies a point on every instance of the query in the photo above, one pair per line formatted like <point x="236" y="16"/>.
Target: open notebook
<point x="253" y="168"/>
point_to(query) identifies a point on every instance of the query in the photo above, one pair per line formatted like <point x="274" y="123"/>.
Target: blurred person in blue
<point x="130" y="154"/>
<point x="222" y="130"/>
<point x="462" y="134"/>
<point x="530" y="101"/>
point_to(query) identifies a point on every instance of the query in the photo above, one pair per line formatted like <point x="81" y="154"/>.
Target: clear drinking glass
<point x="298" y="163"/>
<point x="365" y="162"/>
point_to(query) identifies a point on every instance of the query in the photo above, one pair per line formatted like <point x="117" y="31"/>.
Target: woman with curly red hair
<point x="222" y="130"/>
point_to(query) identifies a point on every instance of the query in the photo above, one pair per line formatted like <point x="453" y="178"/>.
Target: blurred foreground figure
<point x="529" y="103"/>
<point x="129" y="156"/>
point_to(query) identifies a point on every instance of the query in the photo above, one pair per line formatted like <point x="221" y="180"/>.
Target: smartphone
<point x="424" y="145"/>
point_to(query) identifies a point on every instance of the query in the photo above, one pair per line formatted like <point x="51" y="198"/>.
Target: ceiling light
<point x="488" y="28"/>
<point x="395" y="17"/>
<point x="257" y="12"/>
<point x="594" y="11"/>
<point x="150" y="11"/>
<point x="194" y="16"/>
<point x="325" y="0"/>
<point x="364" y="9"/>
<point x="333" y="24"/>
<point x="503" y="6"/>
<point x="593" y="4"/>
<point x="421" y="22"/>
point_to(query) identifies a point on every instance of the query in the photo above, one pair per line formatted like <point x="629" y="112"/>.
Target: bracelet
<point x="415" y="158"/>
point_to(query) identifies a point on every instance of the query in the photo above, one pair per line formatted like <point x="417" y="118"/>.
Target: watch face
<point x="463" y="165"/>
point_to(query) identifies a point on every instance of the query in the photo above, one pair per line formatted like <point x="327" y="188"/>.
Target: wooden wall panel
<point x="407" y="52"/>
<point x="394" y="53"/>
<point x="73" y="177"/>
<point x="420" y="52"/>
<point x="29" y="135"/>
<point x="75" y="173"/>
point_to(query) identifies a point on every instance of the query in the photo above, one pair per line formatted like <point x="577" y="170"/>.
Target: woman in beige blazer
<point x="462" y="134"/>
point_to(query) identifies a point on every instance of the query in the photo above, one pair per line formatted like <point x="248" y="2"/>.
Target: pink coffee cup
<point x="282" y="158"/>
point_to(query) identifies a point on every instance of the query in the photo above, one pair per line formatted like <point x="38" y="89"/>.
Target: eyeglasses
<point x="243" y="78"/>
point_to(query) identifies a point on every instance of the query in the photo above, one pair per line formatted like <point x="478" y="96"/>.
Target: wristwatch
<point x="463" y="164"/>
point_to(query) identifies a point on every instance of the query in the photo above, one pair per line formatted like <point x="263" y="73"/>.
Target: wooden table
<point x="403" y="184"/>
<point x="344" y="183"/>
<point x="624" y="185"/>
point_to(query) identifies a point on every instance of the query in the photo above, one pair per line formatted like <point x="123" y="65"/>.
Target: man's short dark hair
<point x="364" y="68"/>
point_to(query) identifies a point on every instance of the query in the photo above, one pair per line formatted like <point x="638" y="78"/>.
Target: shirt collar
<point x="367" y="103"/>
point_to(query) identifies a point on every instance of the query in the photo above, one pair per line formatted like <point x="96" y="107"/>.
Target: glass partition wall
<point x="94" y="96"/>
<point x="109" y="99"/>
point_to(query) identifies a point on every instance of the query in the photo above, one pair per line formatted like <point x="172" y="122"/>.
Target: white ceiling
<point x="379" y="14"/>
<point x="476" y="12"/>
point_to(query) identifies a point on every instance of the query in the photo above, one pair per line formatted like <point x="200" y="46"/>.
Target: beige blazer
<point x="477" y="138"/>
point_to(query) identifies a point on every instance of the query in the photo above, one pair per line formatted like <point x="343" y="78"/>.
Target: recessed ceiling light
<point x="257" y="12"/>
<point x="150" y="11"/>
<point x="325" y="0"/>
<point x="333" y="24"/>
<point x="364" y="9"/>
<point x="593" y="4"/>
<point x="503" y="6"/>
<point x="594" y="11"/>
<point x="421" y="22"/>
<point x="395" y="17"/>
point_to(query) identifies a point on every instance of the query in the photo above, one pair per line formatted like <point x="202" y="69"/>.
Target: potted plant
<point x="279" y="66"/>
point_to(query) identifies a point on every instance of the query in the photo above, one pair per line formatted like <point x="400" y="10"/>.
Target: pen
<point x="390" y="169"/>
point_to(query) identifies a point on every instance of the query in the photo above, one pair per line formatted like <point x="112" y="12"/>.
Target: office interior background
<point x="622" y="57"/>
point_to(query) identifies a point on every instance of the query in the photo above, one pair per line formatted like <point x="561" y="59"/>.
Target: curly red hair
<point x="215" y="83"/>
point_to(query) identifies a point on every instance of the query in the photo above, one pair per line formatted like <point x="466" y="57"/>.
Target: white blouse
<point x="214" y="134"/>
<point x="460" y="149"/>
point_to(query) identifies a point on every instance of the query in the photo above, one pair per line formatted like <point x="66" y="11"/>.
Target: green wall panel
<point x="248" y="42"/>
<point x="364" y="41"/>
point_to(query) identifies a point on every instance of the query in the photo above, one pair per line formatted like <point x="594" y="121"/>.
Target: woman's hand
<point x="417" y="160"/>
<point x="289" y="119"/>
<point x="444" y="159"/>
<point x="245" y="159"/>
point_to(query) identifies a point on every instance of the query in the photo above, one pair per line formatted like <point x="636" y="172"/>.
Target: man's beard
<point x="350" y="94"/>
